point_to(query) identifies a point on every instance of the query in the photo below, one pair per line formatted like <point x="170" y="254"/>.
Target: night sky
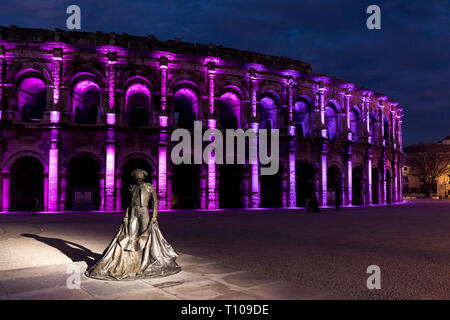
<point x="408" y="59"/>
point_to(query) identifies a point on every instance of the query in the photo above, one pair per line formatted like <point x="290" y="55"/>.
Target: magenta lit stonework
<point x="108" y="79"/>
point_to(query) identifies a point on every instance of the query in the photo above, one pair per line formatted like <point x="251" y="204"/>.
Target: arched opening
<point x="138" y="105"/>
<point x="357" y="178"/>
<point x="27" y="184"/>
<point x="271" y="188"/>
<point x="331" y="121"/>
<point x="230" y="184"/>
<point x="305" y="183"/>
<point x="32" y="99"/>
<point x="302" y="118"/>
<point x="185" y="108"/>
<point x="375" y="186"/>
<point x="86" y="102"/>
<point x="334" y="185"/>
<point x="355" y="125"/>
<point x="127" y="180"/>
<point x="268" y="113"/>
<point x="186" y="186"/>
<point x="388" y="186"/>
<point x="229" y="110"/>
<point x="83" y="184"/>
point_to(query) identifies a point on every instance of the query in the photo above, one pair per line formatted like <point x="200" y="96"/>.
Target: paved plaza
<point x="241" y="254"/>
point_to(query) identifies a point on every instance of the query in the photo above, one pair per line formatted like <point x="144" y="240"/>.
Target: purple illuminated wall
<point x="112" y="97"/>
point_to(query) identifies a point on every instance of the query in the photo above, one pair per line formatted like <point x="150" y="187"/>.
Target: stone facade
<point x="413" y="180"/>
<point x="83" y="109"/>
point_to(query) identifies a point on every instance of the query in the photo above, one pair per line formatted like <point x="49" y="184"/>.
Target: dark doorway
<point x="127" y="180"/>
<point x="185" y="186"/>
<point x="83" y="184"/>
<point x="271" y="187"/>
<point x="388" y="186"/>
<point x="357" y="176"/>
<point x="305" y="183"/>
<point x="230" y="183"/>
<point x="375" y="186"/>
<point x="334" y="185"/>
<point x="27" y="183"/>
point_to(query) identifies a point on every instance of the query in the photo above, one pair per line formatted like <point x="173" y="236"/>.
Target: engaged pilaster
<point x="110" y="139"/>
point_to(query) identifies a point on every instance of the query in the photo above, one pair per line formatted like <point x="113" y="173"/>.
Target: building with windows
<point x="80" y="111"/>
<point x="431" y="158"/>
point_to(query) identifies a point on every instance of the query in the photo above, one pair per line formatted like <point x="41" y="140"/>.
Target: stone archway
<point x="230" y="186"/>
<point x="186" y="186"/>
<point x="375" y="186"/>
<point x="83" y="184"/>
<point x="388" y="186"/>
<point x="357" y="179"/>
<point x="305" y="183"/>
<point x="271" y="190"/>
<point x="334" y="185"/>
<point x="26" y="184"/>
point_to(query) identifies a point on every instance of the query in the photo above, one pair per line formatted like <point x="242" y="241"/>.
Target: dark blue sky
<point x="408" y="59"/>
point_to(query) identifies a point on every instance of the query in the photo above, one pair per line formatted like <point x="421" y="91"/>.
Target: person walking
<point x="35" y="207"/>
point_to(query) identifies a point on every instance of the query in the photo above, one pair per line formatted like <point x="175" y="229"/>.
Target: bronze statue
<point x="138" y="250"/>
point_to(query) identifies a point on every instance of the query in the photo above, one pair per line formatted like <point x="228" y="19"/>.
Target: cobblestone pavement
<point x="36" y="256"/>
<point x="237" y="254"/>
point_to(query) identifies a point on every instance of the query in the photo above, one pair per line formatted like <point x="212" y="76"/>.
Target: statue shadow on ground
<point x="76" y="252"/>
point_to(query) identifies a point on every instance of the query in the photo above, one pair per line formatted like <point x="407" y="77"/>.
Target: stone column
<point x="381" y="117"/>
<point x="253" y="88"/>
<point x="323" y="175"/>
<point x="53" y="168"/>
<point x="366" y="117"/>
<point x="392" y="132"/>
<point x="383" y="176"/>
<point x="255" y="197"/>
<point x="323" y="192"/>
<point x="162" y="163"/>
<point x="347" y="97"/>
<point x="349" y="183"/>
<point x="400" y="132"/>
<point x="369" y="177"/>
<point x="400" y="182"/>
<point x="53" y="157"/>
<point x="292" y="201"/>
<point x="321" y="96"/>
<point x="292" y="194"/>
<point x="110" y="137"/>
<point x="254" y="193"/>
<point x="163" y="68"/>
<point x="394" y="177"/>
<point x="400" y="148"/>
<point x="211" y="176"/>
<point x="2" y="63"/>
<point x="163" y="196"/>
